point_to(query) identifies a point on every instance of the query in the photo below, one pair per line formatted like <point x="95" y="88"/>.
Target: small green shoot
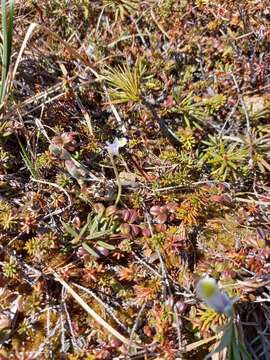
<point x="7" y="30"/>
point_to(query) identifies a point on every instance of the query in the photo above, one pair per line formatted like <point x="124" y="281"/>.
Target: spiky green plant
<point x="63" y="180"/>
<point x="125" y="82"/>
<point x="40" y="245"/>
<point x="10" y="268"/>
<point x="195" y="111"/>
<point x="68" y="16"/>
<point x="210" y="319"/>
<point x="96" y="227"/>
<point x="30" y="164"/>
<point x="122" y="8"/>
<point x="194" y="114"/>
<point x="223" y="157"/>
<point x="8" y="218"/>
<point x="6" y="160"/>
<point x="258" y="149"/>
<point x="232" y="343"/>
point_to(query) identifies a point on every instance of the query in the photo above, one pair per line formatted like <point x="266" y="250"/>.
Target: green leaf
<point x="83" y="230"/>
<point x="224" y="342"/>
<point x="236" y="352"/>
<point x="90" y="250"/>
<point x="69" y="229"/>
<point x="27" y="160"/>
<point x="105" y="245"/>
<point x="98" y="234"/>
<point x="93" y="224"/>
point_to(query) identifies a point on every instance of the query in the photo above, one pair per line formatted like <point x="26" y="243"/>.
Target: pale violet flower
<point x="208" y="290"/>
<point x="113" y="148"/>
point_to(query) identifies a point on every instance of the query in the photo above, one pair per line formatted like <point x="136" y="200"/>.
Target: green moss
<point x="10" y="268"/>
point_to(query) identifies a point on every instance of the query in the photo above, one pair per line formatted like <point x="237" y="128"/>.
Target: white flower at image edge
<point x="208" y="290"/>
<point x="113" y="148"/>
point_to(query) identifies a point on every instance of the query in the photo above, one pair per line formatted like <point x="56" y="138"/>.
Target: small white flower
<point x="113" y="148"/>
<point x="208" y="290"/>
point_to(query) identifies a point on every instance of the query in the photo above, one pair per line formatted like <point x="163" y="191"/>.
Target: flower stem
<point x="117" y="180"/>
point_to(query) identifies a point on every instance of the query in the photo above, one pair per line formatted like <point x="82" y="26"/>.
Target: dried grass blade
<point x="26" y="38"/>
<point x="91" y="312"/>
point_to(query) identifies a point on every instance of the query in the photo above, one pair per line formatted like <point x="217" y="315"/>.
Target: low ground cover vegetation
<point x="134" y="179"/>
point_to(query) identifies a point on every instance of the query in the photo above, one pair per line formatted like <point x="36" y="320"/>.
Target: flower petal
<point x="206" y="287"/>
